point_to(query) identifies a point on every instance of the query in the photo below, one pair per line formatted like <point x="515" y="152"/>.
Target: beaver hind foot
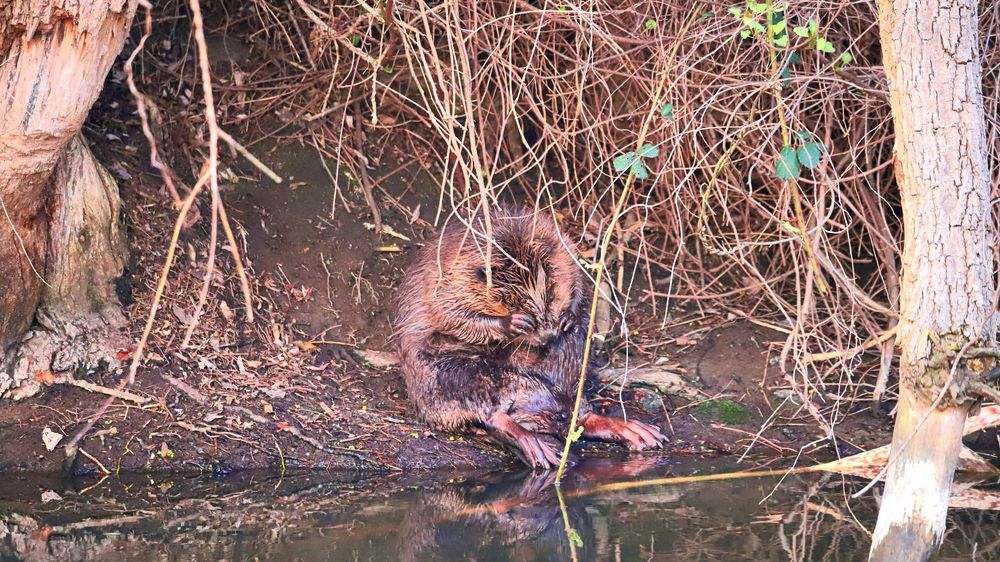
<point x="635" y="435"/>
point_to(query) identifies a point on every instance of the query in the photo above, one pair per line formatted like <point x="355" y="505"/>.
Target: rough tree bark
<point x="59" y="237"/>
<point x="930" y="50"/>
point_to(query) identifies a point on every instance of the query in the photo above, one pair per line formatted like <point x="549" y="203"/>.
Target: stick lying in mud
<point x="115" y="393"/>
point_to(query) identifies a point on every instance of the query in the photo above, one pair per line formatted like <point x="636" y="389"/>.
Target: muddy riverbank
<point x="311" y="382"/>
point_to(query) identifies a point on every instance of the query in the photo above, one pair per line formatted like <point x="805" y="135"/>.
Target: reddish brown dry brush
<point x="536" y="100"/>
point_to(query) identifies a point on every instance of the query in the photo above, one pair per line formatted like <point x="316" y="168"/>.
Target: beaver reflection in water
<point x="504" y="357"/>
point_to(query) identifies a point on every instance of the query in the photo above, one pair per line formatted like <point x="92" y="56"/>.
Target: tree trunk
<point x="59" y="235"/>
<point x="931" y="56"/>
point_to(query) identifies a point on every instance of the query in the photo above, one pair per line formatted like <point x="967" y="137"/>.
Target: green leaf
<point x="707" y="15"/>
<point x="757" y="7"/>
<point x="824" y="45"/>
<point x="639" y="170"/>
<point x="649" y="151"/>
<point x="813" y="27"/>
<point x="574" y="537"/>
<point x="846" y="57"/>
<point x="649" y="25"/>
<point x="745" y="34"/>
<point x="787" y="166"/>
<point x="735" y="12"/>
<point x="801" y="31"/>
<point x="810" y="154"/>
<point x="788" y="226"/>
<point x="667" y="110"/>
<point x="622" y="163"/>
<point x="754" y="25"/>
<point x="781" y="41"/>
<point x="779" y="28"/>
<point x="576" y="434"/>
<point x="804" y="135"/>
<point x="794" y="58"/>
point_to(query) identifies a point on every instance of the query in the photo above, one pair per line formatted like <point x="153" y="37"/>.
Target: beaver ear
<point x="481" y="273"/>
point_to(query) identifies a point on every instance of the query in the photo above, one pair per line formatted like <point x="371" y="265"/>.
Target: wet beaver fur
<point x="506" y="357"/>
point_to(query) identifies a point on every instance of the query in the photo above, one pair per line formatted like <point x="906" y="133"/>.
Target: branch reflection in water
<point x="448" y="516"/>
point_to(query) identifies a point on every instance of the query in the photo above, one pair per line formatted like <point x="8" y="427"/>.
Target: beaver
<point x="503" y="356"/>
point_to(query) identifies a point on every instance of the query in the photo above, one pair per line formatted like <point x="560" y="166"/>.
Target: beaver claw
<point x="642" y="436"/>
<point x="567" y="321"/>
<point x="636" y="435"/>
<point x="521" y="323"/>
<point x="537" y="453"/>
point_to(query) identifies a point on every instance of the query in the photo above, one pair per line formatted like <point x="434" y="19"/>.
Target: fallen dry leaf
<point x="386" y="229"/>
<point x="379" y="359"/>
<point x="328" y="411"/>
<point x="305" y="345"/>
<point x="46" y="377"/>
<point x="42" y="534"/>
<point x="165" y="452"/>
<point x="51" y="438"/>
<point x="226" y="312"/>
<point x="183" y="315"/>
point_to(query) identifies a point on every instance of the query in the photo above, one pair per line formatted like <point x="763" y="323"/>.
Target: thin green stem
<point x="786" y="137"/>
<point x="571" y="535"/>
<point x="657" y="100"/>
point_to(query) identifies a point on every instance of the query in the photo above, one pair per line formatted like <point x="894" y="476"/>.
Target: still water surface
<point x="482" y="517"/>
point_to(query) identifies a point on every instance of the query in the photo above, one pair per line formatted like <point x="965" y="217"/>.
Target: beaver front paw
<point x="520" y="324"/>
<point x="568" y="321"/>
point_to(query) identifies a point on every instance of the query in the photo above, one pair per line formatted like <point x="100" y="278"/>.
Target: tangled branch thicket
<point x="539" y="98"/>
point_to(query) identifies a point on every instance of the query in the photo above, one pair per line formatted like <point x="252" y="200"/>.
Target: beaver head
<point x="540" y="408"/>
<point x="533" y="293"/>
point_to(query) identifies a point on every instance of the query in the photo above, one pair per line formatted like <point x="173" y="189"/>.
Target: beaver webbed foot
<point x="636" y="435"/>
<point x="532" y="448"/>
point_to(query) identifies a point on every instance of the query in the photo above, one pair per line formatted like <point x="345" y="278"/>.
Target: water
<point x="487" y="518"/>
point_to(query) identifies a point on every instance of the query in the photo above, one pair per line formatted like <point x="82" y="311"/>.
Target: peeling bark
<point x="78" y="319"/>
<point x="59" y="237"/>
<point x="932" y="62"/>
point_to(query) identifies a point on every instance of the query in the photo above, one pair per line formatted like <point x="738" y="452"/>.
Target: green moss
<point x="95" y="297"/>
<point x="725" y="411"/>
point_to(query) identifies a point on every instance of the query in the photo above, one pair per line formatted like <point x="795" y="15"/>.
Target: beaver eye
<point x="481" y="273"/>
